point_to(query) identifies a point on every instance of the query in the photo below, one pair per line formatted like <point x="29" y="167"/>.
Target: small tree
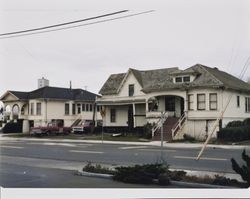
<point x="244" y="170"/>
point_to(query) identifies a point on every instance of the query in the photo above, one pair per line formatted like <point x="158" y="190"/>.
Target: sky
<point x="178" y="33"/>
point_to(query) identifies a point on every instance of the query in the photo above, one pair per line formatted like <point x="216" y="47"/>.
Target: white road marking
<point x="164" y="150"/>
<point x="61" y="144"/>
<point x="76" y="151"/>
<point x="133" y="147"/>
<point x="205" y="158"/>
<point x="12" y="147"/>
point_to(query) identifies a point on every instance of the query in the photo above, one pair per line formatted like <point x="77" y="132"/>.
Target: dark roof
<point x="112" y="84"/>
<point x="20" y="95"/>
<point x="161" y="80"/>
<point x="56" y="93"/>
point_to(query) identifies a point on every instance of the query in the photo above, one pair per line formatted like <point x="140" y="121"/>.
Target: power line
<point x="75" y="26"/>
<point x="61" y="24"/>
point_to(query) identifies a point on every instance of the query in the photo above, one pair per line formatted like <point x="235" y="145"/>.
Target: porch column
<point x="186" y="102"/>
<point x="134" y="115"/>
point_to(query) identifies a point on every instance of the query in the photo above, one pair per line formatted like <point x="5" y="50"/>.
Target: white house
<point x="38" y="107"/>
<point x="189" y="100"/>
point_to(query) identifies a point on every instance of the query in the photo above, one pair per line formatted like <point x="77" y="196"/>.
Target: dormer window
<point x="178" y="79"/>
<point x="182" y="79"/>
<point x="186" y="79"/>
<point x="131" y="89"/>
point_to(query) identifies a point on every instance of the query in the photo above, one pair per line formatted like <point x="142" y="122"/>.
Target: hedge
<point x="234" y="133"/>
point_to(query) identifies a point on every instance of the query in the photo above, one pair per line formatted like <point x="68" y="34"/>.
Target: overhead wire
<point x="62" y="24"/>
<point x="75" y="26"/>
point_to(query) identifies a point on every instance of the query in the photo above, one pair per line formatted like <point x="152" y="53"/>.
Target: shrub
<point x="147" y="129"/>
<point x="246" y="122"/>
<point x="97" y="169"/>
<point x="234" y="133"/>
<point x="177" y="175"/>
<point x="236" y="123"/>
<point x="188" y="138"/>
<point x="244" y="170"/>
<point x="143" y="174"/>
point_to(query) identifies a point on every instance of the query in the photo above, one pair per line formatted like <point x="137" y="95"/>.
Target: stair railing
<point x="178" y="126"/>
<point x="159" y="123"/>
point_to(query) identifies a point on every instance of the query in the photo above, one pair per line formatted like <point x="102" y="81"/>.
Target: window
<point x="182" y="79"/>
<point x="73" y="109"/>
<point x="90" y="107"/>
<point x="112" y="115"/>
<point x="178" y="79"/>
<point x="131" y="89"/>
<point x="78" y="108"/>
<point x="83" y="107"/>
<point x="186" y="79"/>
<point x="66" y="109"/>
<point x="38" y="108"/>
<point x="191" y="102"/>
<point x="201" y="102"/>
<point x="98" y="108"/>
<point x="213" y="101"/>
<point x="87" y="107"/>
<point x="247" y="104"/>
<point x="32" y="108"/>
<point x="238" y="101"/>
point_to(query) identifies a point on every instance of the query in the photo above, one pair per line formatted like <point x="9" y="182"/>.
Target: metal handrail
<point x="158" y="123"/>
<point x="179" y="123"/>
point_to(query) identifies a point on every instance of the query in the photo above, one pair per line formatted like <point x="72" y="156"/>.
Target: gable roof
<point x="55" y="93"/>
<point x="161" y="80"/>
<point x="145" y="78"/>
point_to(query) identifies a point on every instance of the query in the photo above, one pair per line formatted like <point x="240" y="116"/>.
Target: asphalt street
<point x="29" y="163"/>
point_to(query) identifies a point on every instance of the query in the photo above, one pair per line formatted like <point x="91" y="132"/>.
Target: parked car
<point x="55" y="127"/>
<point x="86" y="126"/>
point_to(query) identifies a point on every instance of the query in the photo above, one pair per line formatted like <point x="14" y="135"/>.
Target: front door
<point x="170" y="104"/>
<point x="130" y="117"/>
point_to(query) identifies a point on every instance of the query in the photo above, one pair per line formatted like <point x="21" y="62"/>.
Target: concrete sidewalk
<point x="152" y="143"/>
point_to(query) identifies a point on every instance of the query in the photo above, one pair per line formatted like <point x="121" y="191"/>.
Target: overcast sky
<point x="178" y="33"/>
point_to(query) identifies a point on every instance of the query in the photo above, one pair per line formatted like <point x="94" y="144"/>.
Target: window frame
<point x="180" y="78"/>
<point x="78" y="108"/>
<point x="238" y="101"/>
<point x="32" y="108"/>
<point x="73" y="109"/>
<point x="199" y="102"/>
<point x="112" y="115"/>
<point x="66" y="109"/>
<point x="183" y="80"/>
<point x="131" y="90"/>
<point x="213" y="101"/>
<point x="39" y="111"/>
<point x="247" y="104"/>
<point x="190" y="102"/>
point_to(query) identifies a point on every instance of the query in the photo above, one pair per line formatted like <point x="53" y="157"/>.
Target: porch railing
<point x="159" y="123"/>
<point x="179" y="125"/>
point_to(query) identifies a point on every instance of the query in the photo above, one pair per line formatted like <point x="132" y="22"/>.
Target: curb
<point x="172" y="182"/>
<point x="97" y="175"/>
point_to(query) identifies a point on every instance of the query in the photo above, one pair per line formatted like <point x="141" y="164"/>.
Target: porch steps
<point x="76" y="122"/>
<point x="167" y="129"/>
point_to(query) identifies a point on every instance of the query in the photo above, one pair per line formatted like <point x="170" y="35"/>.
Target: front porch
<point x="130" y="115"/>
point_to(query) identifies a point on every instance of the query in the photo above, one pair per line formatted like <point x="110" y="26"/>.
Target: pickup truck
<point x="52" y="128"/>
<point x="86" y="126"/>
